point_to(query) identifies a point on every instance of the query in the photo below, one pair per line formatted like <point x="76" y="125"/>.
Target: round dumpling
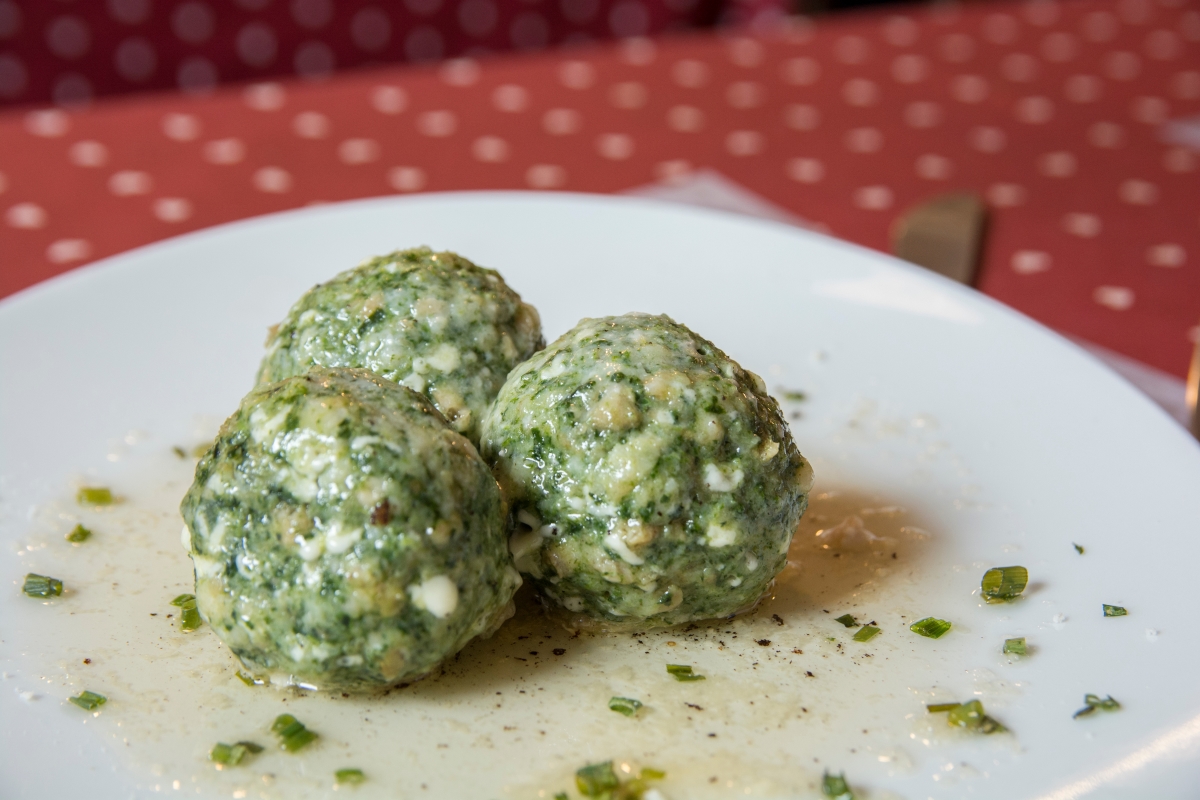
<point x="433" y="322"/>
<point x="653" y="480"/>
<point x="343" y="536"/>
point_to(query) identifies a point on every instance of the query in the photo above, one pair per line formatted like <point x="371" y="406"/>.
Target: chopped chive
<point x="79" y="534"/>
<point x="1114" y="611"/>
<point x="866" y="633"/>
<point x="561" y="796"/>
<point x="793" y="396"/>
<point x="226" y="755"/>
<point x="596" y="780"/>
<point x="846" y="620"/>
<point x="1015" y="647"/>
<point x="251" y="747"/>
<point x="931" y="627"/>
<point x="89" y="701"/>
<point x="937" y="708"/>
<point x="1078" y="548"/>
<point x="94" y="496"/>
<point x="183" y="600"/>
<point x="179" y="451"/>
<point x="624" y="705"/>
<point x="970" y="715"/>
<point x="1004" y="584"/>
<point x="651" y="774"/>
<point x="1095" y="703"/>
<point x="189" y="618"/>
<point x="835" y="787"/>
<point x="683" y="672"/>
<point x="250" y="680"/>
<point x="292" y="733"/>
<point x="350" y="776"/>
<point x="42" y="586"/>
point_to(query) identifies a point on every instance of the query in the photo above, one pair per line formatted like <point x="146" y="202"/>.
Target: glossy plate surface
<point x="959" y="433"/>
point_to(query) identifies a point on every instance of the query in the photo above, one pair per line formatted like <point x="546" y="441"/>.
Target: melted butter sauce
<point x="788" y="693"/>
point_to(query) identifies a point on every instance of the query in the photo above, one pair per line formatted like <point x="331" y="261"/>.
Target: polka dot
<point x="273" y="180"/>
<point x="1059" y="47"/>
<point x="1135" y="12"/>
<point x="1163" y="45"/>
<point x="13" y="78"/>
<point x="545" y="176"/>
<point x="72" y="90"/>
<point x="135" y="59"/>
<point x="129" y="12"/>
<point x="922" y="114"/>
<point x="675" y="171"/>
<point x="370" y="29"/>
<point x="1000" y="28"/>
<point x="1083" y="88"/>
<point x="969" y="88"/>
<point x="49" y="123"/>
<point x="874" y="198"/>
<point x="423" y="8"/>
<point x="1189" y="26"/>
<point x="745" y="94"/>
<point x="685" y="119"/>
<point x="310" y="125"/>
<point x="1118" y="298"/>
<point x="860" y="92"/>
<point x="628" y="19"/>
<point x="1107" y="135"/>
<point x="910" y="68"/>
<point x="627" y="95"/>
<point x="1030" y="262"/>
<point x="987" y="139"/>
<point x="957" y="48"/>
<point x="1100" y="26"/>
<point x="900" y="31"/>
<point x="88" y="153"/>
<point x="181" y="127"/>
<point x="801" y="117"/>
<point x="1186" y="85"/>
<point x="490" y="149"/>
<point x="256" y="44"/>
<point x="389" y="99"/>
<point x="561" y="121"/>
<point x="478" y="18"/>
<point x="264" y="96"/>
<point x="224" y="151"/>
<point x="529" y="31"/>
<point x="1034" y="110"/>
<point x="68" y="37"/>
<point x="744" y="143"/>
<point x="863" y="140"/>
<point x="614" y="146"/>
<point x="64" y="251"/>
<point x="746" y="53"/>
<point x="423" y="44"/>
<point x="1179" y="160"/>
<point x="193" y="22"/>
<point x="805" y="170"/>
<point x="1042" y="13"/>
<point x="312" y="14"/>
<point x="1059" y="164"/>
<point x="459" y="72"/>
<point x="358" y="151"/>
<point x="196" y="75"/>
<point x="1085" y="226"/>
<point x="1166" y="255"/>
<point x="803" y="71"/>
<point x="172" y="209"/>
<point x="852" y="50"/>
<point x="406" y="179"/>
<point x="1019" y="67"/>
<point x="638" y="51"/>
<point x="933" y="167"/>
<point x="1150" y="110"/>
<point x="1122" y="65"/>
<point x="314" y="61"/>
<point x="1138" y="192"/>
<point x="580" y="11"/>
<point x="1006" y="195"/>
<point x="510" y="98"/>
<point x="437" y="124"/>
<point x="689" y="73"/>
<point x="577" y="75"/>
<point x="129" y="182"/>
<point x="26" y="216"/>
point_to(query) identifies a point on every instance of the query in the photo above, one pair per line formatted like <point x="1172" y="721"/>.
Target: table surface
<point x="1079" y="123"/>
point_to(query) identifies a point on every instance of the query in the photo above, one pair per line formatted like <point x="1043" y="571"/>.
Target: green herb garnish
<point x="596" y="780"/>
<point x="1014" y="647"/>
<point x="250" y="680"/>
<point x="793" y="396"/>
<point x="94" y="496"/>
<point x="350" y="776"/>
<point x="937" y="708"/>
<point x="931" y="627"/>
<point x="683" y="672"/>
<point x="1004" y="584"/>
<point x="230" y="755"/>
<point x="968" y="715"/>
<point x="866" y="633"/>
<point x="1095" y="703"/>
<point x="846" y="620"/>
<point x="1078" y="548"/>
<point x="189" y="615"/>
<point x="291" y="732"/>
<point x="1114" y="611"/>
<point x="183" y="600"/>
<point x="89" y="701"/>
<point x="79" y="534"/>
<point x="835" y="787"/>
<point x="651" y="774"/>
<point x="179" y="451"/>
<point x="561" y="796"/>
<point x="624" y="705"/>
<point x="41" y="586"/>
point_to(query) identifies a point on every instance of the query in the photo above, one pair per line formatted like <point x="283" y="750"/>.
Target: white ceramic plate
<point x="964" y="434"/>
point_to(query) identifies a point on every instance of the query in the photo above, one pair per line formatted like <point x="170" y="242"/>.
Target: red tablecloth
<point x="1055" y="112"/>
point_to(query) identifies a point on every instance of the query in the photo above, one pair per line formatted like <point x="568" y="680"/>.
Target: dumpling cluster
<point x="347" y="534"/>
